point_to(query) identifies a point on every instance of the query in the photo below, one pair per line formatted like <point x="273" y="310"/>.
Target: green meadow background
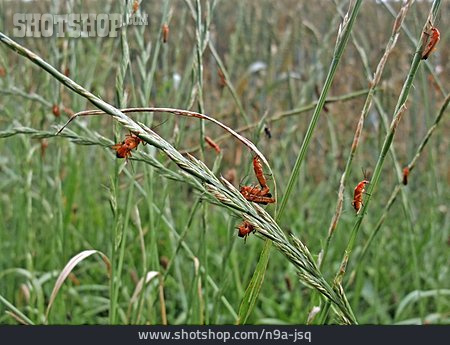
<point x="253" y="65"/>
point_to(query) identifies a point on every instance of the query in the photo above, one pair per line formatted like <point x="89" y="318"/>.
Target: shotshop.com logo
<point x="73" y="25"/>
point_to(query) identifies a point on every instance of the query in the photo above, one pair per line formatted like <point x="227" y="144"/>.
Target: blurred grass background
<point x="58" y="198"/>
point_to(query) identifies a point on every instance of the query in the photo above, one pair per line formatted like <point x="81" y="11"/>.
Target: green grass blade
<point x="254" y="287"/>
<point x="16" y="311"/>
<point x="340" y="47"/>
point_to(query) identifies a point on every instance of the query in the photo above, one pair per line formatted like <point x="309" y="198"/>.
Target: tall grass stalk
<point x="202" y="38"/>
<point x="397" y="166"/>
<point x="119" y="236"/>
<point x="399" y="110"/>
<point x="252" y="291"/>
<point x="413" y="41"/>
<point x="411" y="165"/>
<point x="408" y="215"/>
<point x="365" y="110"/>
<point x="150" y="51"/>
<point x="341" y="42"/>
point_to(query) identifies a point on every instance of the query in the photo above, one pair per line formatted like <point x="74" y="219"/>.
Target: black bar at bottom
<point x="327" y="335"/>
